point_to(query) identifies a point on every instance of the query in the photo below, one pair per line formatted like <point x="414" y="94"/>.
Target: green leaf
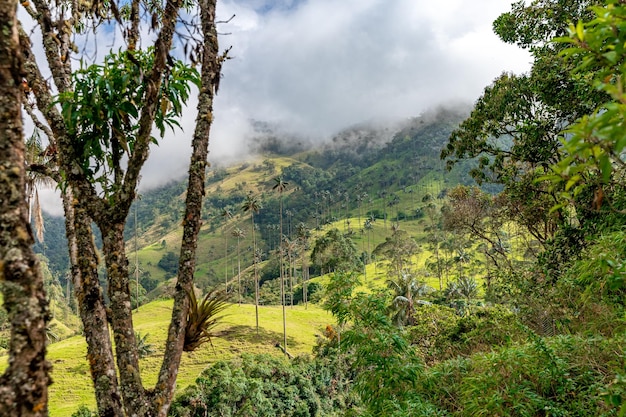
<point x="129" y="108"/>
<point x="580" y="30"/>
<point x="605" y="167"/>
<point x="571" y="182"/>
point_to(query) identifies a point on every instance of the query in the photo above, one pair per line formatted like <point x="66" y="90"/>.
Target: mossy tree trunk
<point x="211" y="69"/>
<point x="126" y="396"/>
<point x="24" y="385"/>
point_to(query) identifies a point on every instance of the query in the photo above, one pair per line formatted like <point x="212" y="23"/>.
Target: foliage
<point x="474" y="212"/>
<point x="265" y="385"/>
<point x="399" y="249"/>
<point x="441" y="334"/>
<point x="83" y="411"/>
<point x="339" y="295"/>
<point x="387" y="366"/>
<point x="405" y="291"/>
<point x="313" y="290"/>
<point x="169" y="262"/>
<point x="102" y="111"/>
<point x="335" y="251"/>
<point x="593" y="146"/>
<point x="144" y="349"/>
<point x="601" y="270"/>
<point x="561" y="377"/>
<point x="203" y="317"/>
<point x="514" y="131"/>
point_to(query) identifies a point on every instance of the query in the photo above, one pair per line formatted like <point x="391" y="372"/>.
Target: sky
<point x="314" y="67"/>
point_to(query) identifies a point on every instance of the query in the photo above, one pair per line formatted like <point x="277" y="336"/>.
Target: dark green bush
<point x="169" y="263"/>
<point x="265" y="385"/>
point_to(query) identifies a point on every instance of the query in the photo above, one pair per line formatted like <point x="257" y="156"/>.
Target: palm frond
<point x="39" y="225"/>
<point x="203" y="317"/>
<point x="144" y="348"/>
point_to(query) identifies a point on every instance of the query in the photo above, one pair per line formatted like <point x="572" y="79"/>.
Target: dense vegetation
<point x="505" y="296"/>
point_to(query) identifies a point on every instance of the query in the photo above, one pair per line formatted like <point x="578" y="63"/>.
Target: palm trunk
<point x="282" y="278"/>
<point x="226" y="260"/>
<point x="238" y="271"/>
<point x="256" y="276"/>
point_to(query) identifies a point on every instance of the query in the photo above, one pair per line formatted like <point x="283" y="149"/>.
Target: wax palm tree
<point x="253" y="205"/>
<point x="291" y="245"/>
<point x="462" y="257"/>
<point x="227" y="214"/>
<point x="303" y="236"/>
<point x="238" y="233"/>
<point x="289" y="215"/>
<point x="280" y="185"/>
<point x="406" y="289"/>
<point x="368" y="229"/>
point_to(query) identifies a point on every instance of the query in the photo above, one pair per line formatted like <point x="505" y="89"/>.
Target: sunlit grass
<point x="236" y="334"/>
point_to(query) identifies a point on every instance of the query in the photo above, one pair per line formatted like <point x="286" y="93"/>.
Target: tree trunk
<point x="211" y="67"/>
<point x="282" y="277"/>
<point x="91" y="307"/>
<point x="256" y="276"/>
<point x="239" y="271"/>
<point x="24" y="385"/>
<point x="113" y="247"/>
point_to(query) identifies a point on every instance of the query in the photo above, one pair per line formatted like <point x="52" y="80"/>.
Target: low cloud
<point x="317" y="66"/>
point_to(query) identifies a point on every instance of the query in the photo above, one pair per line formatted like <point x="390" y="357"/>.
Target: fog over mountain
<point x="315" y="67"/>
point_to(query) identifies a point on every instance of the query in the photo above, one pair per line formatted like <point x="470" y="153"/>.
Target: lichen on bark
<point x="24" y="384"/>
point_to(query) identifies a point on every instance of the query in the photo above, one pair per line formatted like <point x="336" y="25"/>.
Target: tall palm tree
<point x="359" y="201"/>
<point x="253" y="205"/>
<point x="462" y="257"/>
<point x="368" y="228"/>
<point x="238" y="233"/>
<point x="289" y="215"/>
<point x="280" y="185"/>
<point x="227" y="214"/>
<point x="291" y="246"/>
<point x="303" y="237"/>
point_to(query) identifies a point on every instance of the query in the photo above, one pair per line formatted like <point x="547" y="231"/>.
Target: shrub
<point x="265" y="385"/>
<point x="441" y="334"/>
<point x="564" y="376"/>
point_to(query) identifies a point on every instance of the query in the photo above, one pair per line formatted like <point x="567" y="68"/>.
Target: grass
<point x="236" y="334"/>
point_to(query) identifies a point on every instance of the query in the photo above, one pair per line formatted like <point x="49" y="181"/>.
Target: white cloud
<point x="325" y="64"/>
<point x="317" y="66"/>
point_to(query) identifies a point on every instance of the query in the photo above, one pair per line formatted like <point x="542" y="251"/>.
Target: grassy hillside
<point x="72" y="385"/>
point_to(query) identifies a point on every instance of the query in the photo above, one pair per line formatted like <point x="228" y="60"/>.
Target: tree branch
<point x="210" y="73"/>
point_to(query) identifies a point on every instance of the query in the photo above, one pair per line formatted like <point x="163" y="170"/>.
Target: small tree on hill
<point x="335" y="252"/>
<point x="399" y="249"/>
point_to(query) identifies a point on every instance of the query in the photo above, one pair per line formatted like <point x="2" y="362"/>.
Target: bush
<point x="563" y="376"/>
<point x="312" y="289"/>
<point x="169" y="263"/>
<point x="265" y="385"/>
<point x="83" y="411"/>
<point x="441" y="334"/>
